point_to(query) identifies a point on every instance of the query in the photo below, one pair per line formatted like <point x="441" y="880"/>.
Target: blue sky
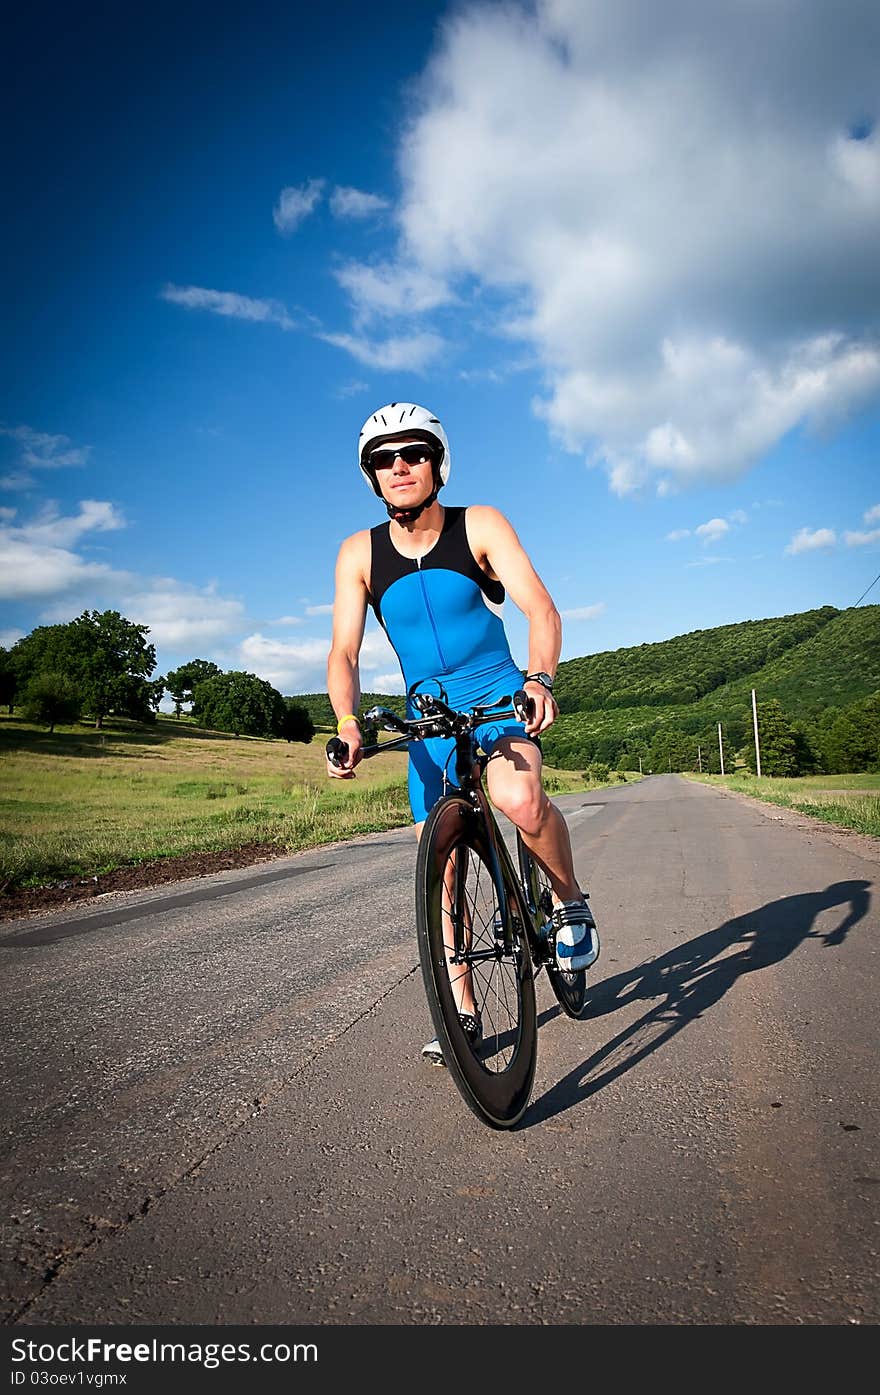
<point x="628" y="255"/>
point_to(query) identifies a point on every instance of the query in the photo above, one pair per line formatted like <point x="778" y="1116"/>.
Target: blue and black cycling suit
<point x="442" y="614"/>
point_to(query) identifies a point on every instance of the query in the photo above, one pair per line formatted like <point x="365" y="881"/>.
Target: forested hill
<point x="615" y="705"/>
<point x="811" y="659"/>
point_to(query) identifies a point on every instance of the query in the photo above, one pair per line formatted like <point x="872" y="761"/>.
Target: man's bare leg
<point x="460" y="976"/>
<point x="513" y="776"/>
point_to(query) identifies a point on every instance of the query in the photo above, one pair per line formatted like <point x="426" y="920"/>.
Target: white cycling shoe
<point x="576" y="937"/>
<point x="473" y="1030"/>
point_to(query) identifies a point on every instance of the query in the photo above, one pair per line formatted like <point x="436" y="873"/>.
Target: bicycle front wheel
<point x="569" y="986"/>
<point x="470" y="961"/>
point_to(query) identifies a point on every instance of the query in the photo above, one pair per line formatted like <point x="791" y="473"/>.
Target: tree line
<point x="837" y="740"/>
<point x="820" y="682"/>
<point x="102" y="665"/>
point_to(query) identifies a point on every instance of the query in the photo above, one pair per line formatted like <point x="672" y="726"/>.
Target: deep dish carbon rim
<point x="465" y="932"/>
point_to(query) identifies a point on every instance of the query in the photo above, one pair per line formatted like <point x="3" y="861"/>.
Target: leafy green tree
<point x="848" y="740"/>
<point x="783" y="749"/>
<point x="296" y="724"/>
<point x="672" y="750"/>
<point x="113" y="663"/>
<point x="50" y="698"/>
<point x="8" y="680"/>
<point x="182" y="681"/>
<point x="238" y="702"/>
<point x="47" y="649"/>
<point x="104" y="655"/>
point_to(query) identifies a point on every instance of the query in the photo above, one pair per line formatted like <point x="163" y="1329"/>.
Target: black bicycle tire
<point x="569" y="987"/>
<point x="497" y="1098"/>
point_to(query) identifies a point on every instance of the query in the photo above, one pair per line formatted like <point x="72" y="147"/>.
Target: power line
<point x="870" y="588"/>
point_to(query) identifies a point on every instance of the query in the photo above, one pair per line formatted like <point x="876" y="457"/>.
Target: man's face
<point x="404" y="470"/>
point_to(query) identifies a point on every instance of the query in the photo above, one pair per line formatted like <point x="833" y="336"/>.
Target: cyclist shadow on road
<point x="689" y="979"/>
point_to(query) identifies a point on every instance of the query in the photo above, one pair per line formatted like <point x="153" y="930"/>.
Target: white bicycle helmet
<point x="396" y="422"/>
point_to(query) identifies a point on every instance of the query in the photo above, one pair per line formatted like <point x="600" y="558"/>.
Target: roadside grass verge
<point x="851" y="801"/>
<point x="80" y="803"/>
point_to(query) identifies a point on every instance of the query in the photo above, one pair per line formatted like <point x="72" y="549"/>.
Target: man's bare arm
<point x="349" y="617"/>
<point x="495" y="544"/>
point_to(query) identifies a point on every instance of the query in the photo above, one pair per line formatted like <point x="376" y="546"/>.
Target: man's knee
<point x="524" y="802"/>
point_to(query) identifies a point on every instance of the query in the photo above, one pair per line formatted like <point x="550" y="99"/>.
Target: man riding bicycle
<point x="436" y="579"/>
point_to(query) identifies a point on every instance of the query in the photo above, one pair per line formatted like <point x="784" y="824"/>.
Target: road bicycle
<point x="483" y="922"/>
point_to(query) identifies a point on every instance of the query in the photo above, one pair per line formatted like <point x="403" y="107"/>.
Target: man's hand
<point x="350" y="733"/>
<point x="546" y="710"/>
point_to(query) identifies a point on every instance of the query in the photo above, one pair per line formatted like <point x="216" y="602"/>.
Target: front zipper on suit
<point x="430" y="612"/>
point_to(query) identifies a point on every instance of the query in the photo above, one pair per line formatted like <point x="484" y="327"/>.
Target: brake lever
<point x="523" y="705"/>
<point x="337" y="752"/>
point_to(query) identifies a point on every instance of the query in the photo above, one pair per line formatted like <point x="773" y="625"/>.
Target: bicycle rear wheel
<point x="460" y="921"/>
<point x="570" y="987"/>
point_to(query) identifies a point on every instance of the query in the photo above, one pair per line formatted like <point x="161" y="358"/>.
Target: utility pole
<point x="640" y="765"/>
<point x="757" y="742"/>
<point x="720" y="748"/>
<point x="699" y="759"/>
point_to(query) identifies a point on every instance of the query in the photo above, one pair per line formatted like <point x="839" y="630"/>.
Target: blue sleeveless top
<point x="441" y="612"/>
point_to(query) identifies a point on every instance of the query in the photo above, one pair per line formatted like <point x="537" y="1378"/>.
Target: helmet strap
<point x="410" y="515"/>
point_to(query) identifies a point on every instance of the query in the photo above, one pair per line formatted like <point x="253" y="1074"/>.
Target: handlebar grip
<point x="523" y="705"/>
<point x="337" y="752"/>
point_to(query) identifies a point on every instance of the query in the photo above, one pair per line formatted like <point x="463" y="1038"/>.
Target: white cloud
<point x="738" y="516"/>
<point x="14" y="483"/>
<point x="346" y="202"/>
<point x="388" y="289"/>
<point x="286" y="620"/>
<point x="391" y="682"/>
<point x="351" y="389"/>
<point x="684" y="236"/>
<point x="677" y="534"/>
<point x="301" y="666"/>
<point x="10" y="637"/>
<point x="28" y="570"/>
<point x="230" y="304"/>
<point x="36" y="560"/>
<point x="406" y="353"/>
<point x="182" y="617"/>
<point x="584" y="612"/>
<point x="872" y="515"/>
<point x="52" y="529"/>
<point x="713" y="530"/>
<point x="6" y="515"/>
<point x="320" y="609"/>
<point x="806" y="541"/>
<point x="295" y="203"/>
<point x="41" y="451"/>
<point x="290" y="667"/>
<point x="862" y="539"/>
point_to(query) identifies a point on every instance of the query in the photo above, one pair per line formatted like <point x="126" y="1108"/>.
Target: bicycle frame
<point x="469" y="767"/>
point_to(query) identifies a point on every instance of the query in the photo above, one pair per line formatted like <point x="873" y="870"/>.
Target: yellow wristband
<point x="342" y="721"/>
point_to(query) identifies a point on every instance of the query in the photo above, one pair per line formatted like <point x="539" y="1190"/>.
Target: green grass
<point x="81" y="802"/>
<point x="851" y="801"/>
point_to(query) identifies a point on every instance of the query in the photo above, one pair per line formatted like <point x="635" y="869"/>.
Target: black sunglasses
<point x="416" y="454"/>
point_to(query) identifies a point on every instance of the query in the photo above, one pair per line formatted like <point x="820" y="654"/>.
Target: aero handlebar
<point x="437" y="719"/>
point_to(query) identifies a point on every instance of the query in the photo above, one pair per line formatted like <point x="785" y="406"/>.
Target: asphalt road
<point x="215" y="1109"/>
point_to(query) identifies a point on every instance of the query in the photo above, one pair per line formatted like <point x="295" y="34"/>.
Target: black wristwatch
<point x="540" y="678"/>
